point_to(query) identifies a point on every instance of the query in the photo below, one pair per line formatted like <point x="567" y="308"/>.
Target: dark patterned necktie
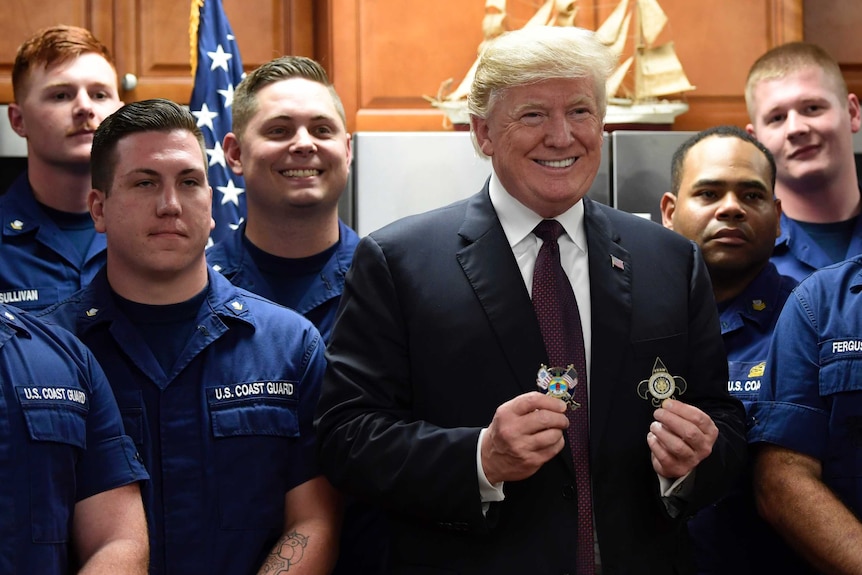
<point x="560" y="322"/>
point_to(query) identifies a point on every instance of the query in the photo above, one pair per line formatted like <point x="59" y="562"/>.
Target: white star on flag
<point x="218" y="70"/>
<point x="205" y="117"/>
<point x="230" y="193"/>
<point x="228" y="95"/>
<point x="219" y="58"/>
<point x="216" y="156"/>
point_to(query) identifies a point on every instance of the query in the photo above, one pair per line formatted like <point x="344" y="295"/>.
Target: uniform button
<point x="569" y="491"/>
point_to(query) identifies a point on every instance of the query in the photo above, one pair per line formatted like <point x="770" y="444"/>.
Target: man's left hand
<point x="680" y="438"/>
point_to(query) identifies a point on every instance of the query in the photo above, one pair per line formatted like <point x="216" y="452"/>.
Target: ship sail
<point x="493" y="24"/>
<point x="660" y="73"/>
<point x="615" y="81"/>
<point x="652" y="20"/>
<point x="611" y="31"/>
<point x="566" y="11"/>
<point x="657" y="69"/>
<point x="554" y="13"/>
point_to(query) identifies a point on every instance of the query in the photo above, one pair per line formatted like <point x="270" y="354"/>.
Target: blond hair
<point x="789" y="58"/>
<point x="538" y="53"/>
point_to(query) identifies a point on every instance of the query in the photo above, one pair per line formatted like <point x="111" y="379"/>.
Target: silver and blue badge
<point x="559" y="382"/>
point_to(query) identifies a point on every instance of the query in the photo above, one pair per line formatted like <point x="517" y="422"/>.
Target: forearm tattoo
<point x="287" y="553"/>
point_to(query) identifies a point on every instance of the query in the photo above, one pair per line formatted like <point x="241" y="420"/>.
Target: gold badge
<point x="661" y="384"/>
<point x="559" y="382"/>
<point x="757" y="370"/>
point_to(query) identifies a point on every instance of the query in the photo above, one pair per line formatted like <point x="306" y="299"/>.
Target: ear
<point x="777" y="217"/>
<point x="853" y="108"/>
<point x="16" y="120"/>
<point x="232" y="153"/>
<point x="212" y="219"/>
<point x="750" y="129"/>
<point x="668" y="206"/>
<point x="349" y="145"/>
<point x="481" y="131"/>
<point x="96" y="203"/>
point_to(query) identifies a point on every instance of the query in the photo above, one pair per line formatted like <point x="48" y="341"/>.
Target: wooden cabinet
<point x="384" y="55"/>
<point x="835" y="25"/>
<point x="150" y="38"/>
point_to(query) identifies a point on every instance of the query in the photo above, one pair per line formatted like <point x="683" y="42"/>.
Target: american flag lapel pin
<point x="617" y="263"/>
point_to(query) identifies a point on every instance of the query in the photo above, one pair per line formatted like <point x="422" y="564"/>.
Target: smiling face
<point x="545" y="142"/>
<point x="294" y="153"/>
<point x="725" y="204"/>
<point x="156" y="216"/>
<point x="61" y="106"/>
<point x="809" y="129"/>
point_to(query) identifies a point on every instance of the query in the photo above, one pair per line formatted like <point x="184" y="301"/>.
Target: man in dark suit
<point x="430" y="403"/>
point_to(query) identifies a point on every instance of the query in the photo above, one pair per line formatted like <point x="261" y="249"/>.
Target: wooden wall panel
<point x="149" y="38"/>
<point x="835" y="25"/>
<point x="384" y="57"/>
<point x="23" y="17"/>
<point x="156" y="45"/>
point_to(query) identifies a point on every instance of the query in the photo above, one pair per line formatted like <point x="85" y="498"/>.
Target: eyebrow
<point x="152" y="172"/>
<point x="54" y="85"/>
<point x="289" y="118"/>
<point x="713" y="183"/>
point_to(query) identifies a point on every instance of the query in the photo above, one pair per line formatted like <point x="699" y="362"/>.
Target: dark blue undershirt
<point x="79" y="229"/>
<point x="166" y="329"/>
<point x="833" y="238"/>
<point x="289" y="279"/>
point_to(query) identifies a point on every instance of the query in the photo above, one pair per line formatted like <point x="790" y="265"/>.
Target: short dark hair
<point x="284" y="68"/>
<point x="720" y="132"/>
<point x="156" y="115"/>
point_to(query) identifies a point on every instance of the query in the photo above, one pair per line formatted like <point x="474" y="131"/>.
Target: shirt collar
<point x="518" y="220"/>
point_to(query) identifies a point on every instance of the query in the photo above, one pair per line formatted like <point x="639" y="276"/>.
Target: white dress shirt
<point x="518" y="222"/>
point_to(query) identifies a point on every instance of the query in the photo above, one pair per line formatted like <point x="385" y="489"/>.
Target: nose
<point x="730" y="208"/>
<point x="303" y="142"/>
<point x="796" y="124"/>
<point x="169" y="202"/>
<point x="83" y="105"/>
<point x="558" y="132"/>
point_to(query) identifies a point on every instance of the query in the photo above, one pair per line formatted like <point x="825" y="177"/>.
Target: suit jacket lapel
<point x="611" y="294"/>
<point x="491" y="268"/>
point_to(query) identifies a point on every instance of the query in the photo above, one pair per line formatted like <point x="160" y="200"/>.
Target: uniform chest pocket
<point x="840" y="382"/>
<point x="56" y="421"/>
<point x="253" y="433"/>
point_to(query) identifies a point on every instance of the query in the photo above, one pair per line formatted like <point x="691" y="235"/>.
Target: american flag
<point x="217" y="69"/>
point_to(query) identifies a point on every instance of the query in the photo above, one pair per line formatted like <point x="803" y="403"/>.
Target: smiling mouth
<point x="556" y="163"/>
<point x="307" y="173"/>
<point x="802" y="151"/>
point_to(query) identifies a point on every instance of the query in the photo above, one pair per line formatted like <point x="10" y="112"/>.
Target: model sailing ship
<point x="656" y="70"/>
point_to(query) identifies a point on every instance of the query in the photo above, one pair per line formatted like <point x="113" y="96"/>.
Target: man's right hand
<point x="526" y="432"/>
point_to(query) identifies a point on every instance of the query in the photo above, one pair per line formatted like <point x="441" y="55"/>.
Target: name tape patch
<point x="840" y="346"/>
<point x="19" y="296"/>
<point x="46" y="394"/>
<point x="256" y="389"/>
